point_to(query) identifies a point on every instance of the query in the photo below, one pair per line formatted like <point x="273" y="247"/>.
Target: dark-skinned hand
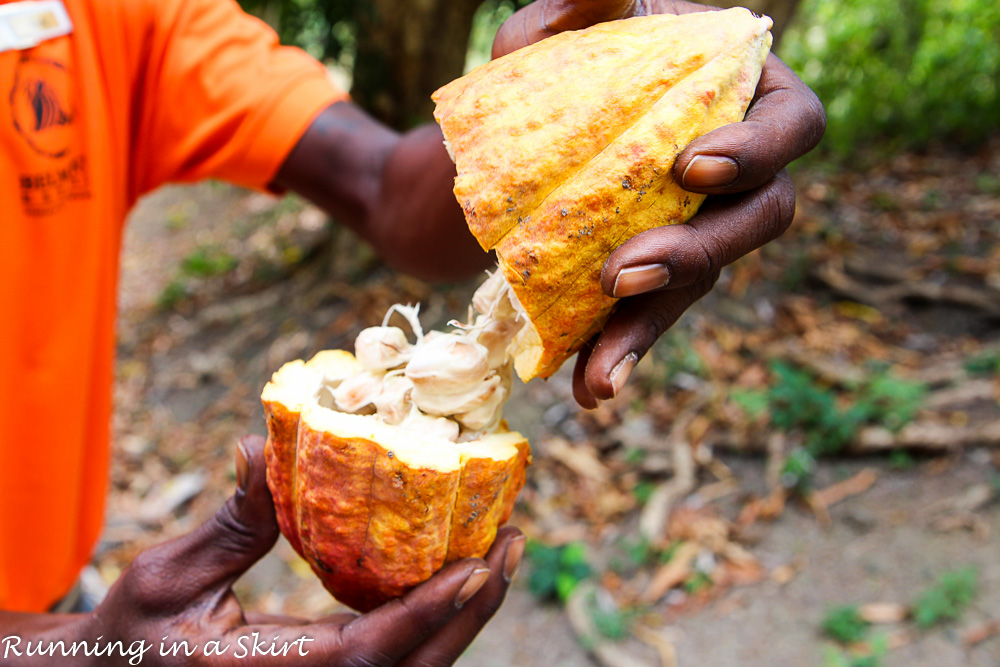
<point x="396" y="191"/>
<point x="662" y="272"/>
<point x="182" y="591"/>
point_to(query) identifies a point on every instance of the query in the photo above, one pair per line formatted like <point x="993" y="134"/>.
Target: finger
<point x="545" y="18"/>
<point x="785" y="121"/>
<point x="387" y="634"/>
<point x="261" y="618"/>
<point x="724" y="230"/>
<point x="445" y="647"/>
<point x="339" y="618"/>
<point x="581" y="392"/>
<point x="632" y="330"/>
<point x="206" y="561"/>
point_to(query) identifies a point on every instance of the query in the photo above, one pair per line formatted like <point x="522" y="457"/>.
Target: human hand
<point x="181" y="591"/>
<point x="662" y="272"/>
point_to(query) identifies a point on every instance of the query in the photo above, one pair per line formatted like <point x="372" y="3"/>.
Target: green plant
<point x="890" y="401"/>
<point x="207" y="261"/>
<point x="873" y="657"/>
<point x="673" y="355"/>
<point x="987" y="183"/>
<point x="630" y="554"/>
<point x="797" y="470"/>
<point x="900" y="459"/>
<point x="177" y="218"/>
<point x="828" y="419"/>
<point x="324" y="28"/>
<point x="798" y="269"/>
<point x="487" y="20"/>
<point x="987" y="363"/>
<point x="203" y="262"/>
<point x="171" y="295"/>
<point x="611" y="622"/>
<point x="797" y="400"/>
<point x="697" y="582"/>
<point x="947" y="599"/>
<point x="556" y="571"/>
<point x="825" y="417"/>
<point x="905" y="72"/>
<point x="634" y="456"/>
<point x="844" y="624"/>
<point x="643" y="491"/>
<point x="668" y="554"/>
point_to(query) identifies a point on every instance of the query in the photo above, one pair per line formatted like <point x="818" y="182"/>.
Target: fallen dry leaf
<point x="981" y="632"/>
<point x="782" y="574"/>
<point x="883" y="612"/>
<point x="580" y="458"/>
<point x="844" y="489"/>
<point x="764" y="509"/>
<point x="701" y="525"/>
<point x="672" y="573"/>
<point x="717" y="490"/>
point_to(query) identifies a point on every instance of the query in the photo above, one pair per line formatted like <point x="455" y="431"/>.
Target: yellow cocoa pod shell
<point x="375" y="509"/>
<point x="565" y="150"/>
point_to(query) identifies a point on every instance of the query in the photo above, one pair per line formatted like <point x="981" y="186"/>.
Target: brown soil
<point x="195" y="349"/>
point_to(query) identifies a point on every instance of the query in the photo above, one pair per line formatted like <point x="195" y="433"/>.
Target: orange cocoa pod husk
<point x="565" y="149"/>
<point x="376" y="509"/>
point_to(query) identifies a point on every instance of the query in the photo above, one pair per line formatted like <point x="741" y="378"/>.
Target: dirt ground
<point x="219" y="287"/>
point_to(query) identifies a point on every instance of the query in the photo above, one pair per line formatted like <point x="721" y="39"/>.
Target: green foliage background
<point x="894" y="73"/>
<point x="903" y="73"/>
<point x="324" y="28"/>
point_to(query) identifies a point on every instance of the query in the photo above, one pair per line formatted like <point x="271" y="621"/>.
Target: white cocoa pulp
<point x="453" y="384"/>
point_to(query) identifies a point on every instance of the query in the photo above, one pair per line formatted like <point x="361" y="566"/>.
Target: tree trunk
<point x="406" y="51"/>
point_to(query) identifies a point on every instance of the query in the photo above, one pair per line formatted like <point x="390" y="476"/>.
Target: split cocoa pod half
<point x="565" y="150"/>
<point x="388" y="463"/>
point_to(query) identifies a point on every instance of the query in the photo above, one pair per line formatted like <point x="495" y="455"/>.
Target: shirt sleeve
<point x="220" y="97"/>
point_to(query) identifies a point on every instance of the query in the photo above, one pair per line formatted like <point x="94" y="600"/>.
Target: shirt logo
<point x="41" y="106"/>
<point x="45" y="104"/>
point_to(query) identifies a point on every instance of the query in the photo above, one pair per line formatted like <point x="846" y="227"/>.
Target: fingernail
<point x="242" y="467"/>
<point x="472" y="585"/>
<point x="710" y="171"/>
<point x="634" y="280"/>
<point x="621" y="371"/>
<point x="512" y="560"/>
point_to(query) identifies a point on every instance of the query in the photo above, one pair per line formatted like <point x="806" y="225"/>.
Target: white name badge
<point x="27" y="24"/>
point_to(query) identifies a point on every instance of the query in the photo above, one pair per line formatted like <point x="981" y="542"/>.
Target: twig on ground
<point x="883" y="612"/>
<point x="663" y="646"/>
<point x="671" y="573"/>
<point x="928" y="436"/>
<point x="606" y="652"/>
<point x="851" y="486"/>
<point x="984" y="299"/>
<point x="656" y="511"/>
<point x="981" y="632"/>
<point x="777" y="450"/>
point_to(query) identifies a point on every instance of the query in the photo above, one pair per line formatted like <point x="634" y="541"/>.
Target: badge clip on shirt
<point x="27" y="24"/>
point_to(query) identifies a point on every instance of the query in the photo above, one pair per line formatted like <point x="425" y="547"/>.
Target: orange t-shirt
<point x="142" y="92"/>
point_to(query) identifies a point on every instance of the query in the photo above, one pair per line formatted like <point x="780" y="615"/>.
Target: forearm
<point x="394" y="190"/>
<point x="424" y="229"/>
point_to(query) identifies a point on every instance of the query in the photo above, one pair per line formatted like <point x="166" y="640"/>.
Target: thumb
<point x="545" y="18"/>
<point x="214" y="555"/>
